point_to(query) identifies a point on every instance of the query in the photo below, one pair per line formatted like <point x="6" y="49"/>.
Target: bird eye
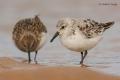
<point x="62" y="27"/>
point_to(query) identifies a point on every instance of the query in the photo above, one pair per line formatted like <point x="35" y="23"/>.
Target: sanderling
<point x="80" y="35"/>
<point x="29" y="35"/>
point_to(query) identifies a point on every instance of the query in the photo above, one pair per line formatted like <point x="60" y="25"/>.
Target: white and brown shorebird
<point x="80" y="35"/>
<point x="29" y="35"/>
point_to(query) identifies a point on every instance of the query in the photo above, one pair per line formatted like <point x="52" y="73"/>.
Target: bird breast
<point x="79" y="43"/>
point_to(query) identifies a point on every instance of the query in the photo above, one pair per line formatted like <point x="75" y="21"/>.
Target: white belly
<point x="79" y="44"/>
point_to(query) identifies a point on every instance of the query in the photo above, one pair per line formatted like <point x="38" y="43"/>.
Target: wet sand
<point x="13" y="70"/>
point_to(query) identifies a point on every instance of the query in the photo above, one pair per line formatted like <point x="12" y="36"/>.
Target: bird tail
<point x="28" y="42"/>
<point x="108" y="25"/>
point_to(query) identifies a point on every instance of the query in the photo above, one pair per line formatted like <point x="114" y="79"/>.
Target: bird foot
<point x="83" y="65"/>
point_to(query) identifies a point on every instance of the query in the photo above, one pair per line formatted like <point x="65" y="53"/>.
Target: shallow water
<point x="104" y="57"/>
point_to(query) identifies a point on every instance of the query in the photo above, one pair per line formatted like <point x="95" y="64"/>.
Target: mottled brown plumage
<point x="88" y="27"/>
<point x="91" y="28"/>
<point x="28" y="35"/>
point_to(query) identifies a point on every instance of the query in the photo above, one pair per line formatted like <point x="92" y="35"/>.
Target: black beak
<point x="56" y="34"/>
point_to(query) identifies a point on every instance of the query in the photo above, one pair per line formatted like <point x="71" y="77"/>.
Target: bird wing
<point x="90" y="28"/>
<point x="31" y="25"/>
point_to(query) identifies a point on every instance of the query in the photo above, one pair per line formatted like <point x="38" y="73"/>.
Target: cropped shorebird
<point x="29" y="35"/>
<point x="80" y="35"/>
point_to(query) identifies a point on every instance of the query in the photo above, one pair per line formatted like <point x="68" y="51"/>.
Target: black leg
<point x="82" y="56"/>
<point x="29" y="58"/>
<point x="35" y="57"/>
<point x="85" y="54"/>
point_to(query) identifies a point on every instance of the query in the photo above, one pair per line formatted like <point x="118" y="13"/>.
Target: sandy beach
<point x="55" y="61"/>
<point x="13" y="70"/>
